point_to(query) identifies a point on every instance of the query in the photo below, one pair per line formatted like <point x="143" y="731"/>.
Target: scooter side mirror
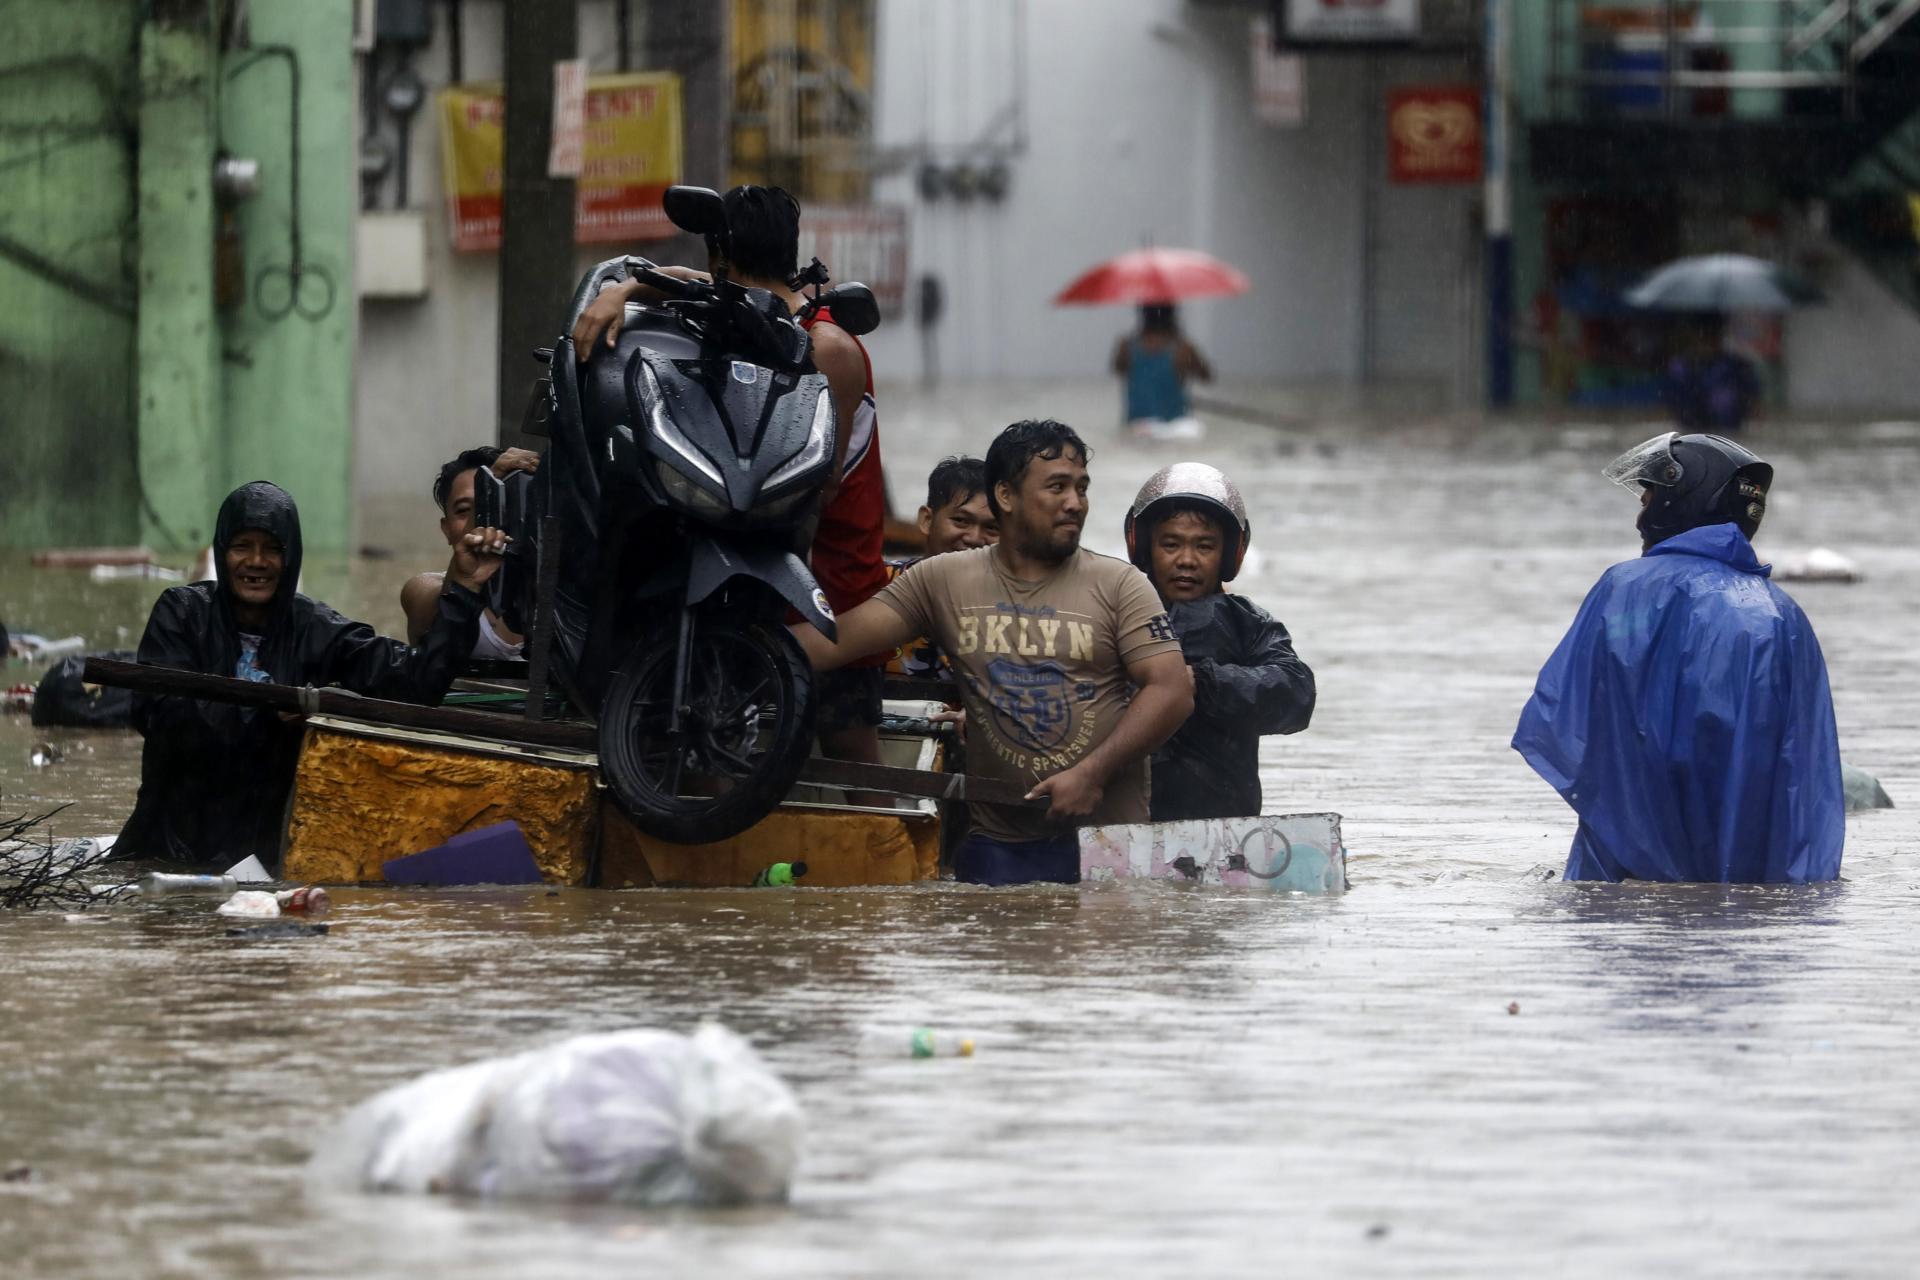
<point x="853" y="307"/>
<point x="698" y="210"/>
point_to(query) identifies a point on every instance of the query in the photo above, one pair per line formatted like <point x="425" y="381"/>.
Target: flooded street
<point x="1171" y="1081"/>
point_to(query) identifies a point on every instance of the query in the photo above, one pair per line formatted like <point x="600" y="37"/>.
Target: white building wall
<point x="425" y="386"/>
<point x="1140" y="129"/>
<point x="1856" y="353"/>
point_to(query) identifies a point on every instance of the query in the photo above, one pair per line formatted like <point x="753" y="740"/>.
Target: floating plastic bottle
<point x="159" y="883"/>
<point x="780" y="873"/>
<point x="915" y="1042"/>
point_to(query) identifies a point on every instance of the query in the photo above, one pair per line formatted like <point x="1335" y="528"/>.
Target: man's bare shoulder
<point x="837" y="353"/>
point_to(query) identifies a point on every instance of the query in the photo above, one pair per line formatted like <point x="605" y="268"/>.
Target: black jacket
<point x="214" y="778"/>
<point x="1247" y="682"/>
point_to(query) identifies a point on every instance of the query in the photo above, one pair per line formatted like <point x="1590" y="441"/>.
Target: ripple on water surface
<point x="1170" y="1081"/>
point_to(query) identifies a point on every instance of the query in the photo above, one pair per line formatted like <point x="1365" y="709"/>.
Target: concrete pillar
<point x="692" y="38"/>
<point x="537" y="274"/>
<point x="181" y="442"/>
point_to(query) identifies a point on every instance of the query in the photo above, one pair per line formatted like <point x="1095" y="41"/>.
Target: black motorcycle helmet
<point x="1694" y="480"/>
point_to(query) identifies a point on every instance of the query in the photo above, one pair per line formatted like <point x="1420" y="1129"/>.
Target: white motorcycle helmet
<point x="1188" y="484"/>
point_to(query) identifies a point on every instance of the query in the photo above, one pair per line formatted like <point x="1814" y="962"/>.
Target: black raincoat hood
<point x="259" y="504"/>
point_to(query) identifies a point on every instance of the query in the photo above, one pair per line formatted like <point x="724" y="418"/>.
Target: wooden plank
<point x="920" y="689"/>
<point x="914" y="782"/>
<point x="505" y="728"/>
<point x="337" y="702"/>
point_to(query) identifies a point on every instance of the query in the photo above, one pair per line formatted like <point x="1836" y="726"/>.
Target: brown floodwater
<point x="1171" y="1080"/>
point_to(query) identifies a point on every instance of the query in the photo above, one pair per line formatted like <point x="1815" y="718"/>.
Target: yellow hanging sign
<point x="631" y="154"/>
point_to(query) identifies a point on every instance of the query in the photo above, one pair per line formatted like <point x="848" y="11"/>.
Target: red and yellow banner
<point x="630" y="156"/>
<point x="1433" y="133"/>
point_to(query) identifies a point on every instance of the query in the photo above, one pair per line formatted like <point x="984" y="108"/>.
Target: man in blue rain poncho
<point x="1685" y="715"/>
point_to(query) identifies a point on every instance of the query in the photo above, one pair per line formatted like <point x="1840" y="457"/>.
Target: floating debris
<point x="1822" y="564"/>
<point x="37" y="873"/>
<point x="279" y="929"/>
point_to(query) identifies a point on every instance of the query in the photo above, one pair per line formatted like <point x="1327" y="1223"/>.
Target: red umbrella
<point x="1154" y="275"/>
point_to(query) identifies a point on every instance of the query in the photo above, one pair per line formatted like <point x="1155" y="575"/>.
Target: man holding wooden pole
<point x="214" y="776"/>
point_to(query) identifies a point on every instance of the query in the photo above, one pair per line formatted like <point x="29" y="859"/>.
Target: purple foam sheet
<point x="487" y="855"/>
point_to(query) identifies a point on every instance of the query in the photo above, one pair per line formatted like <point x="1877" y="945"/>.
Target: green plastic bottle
<point x="780" y="873"/>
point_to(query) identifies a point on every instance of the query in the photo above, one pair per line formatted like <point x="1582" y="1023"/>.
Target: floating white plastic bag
<point x="642" y="1117"/>
<point x="250" y="904"/>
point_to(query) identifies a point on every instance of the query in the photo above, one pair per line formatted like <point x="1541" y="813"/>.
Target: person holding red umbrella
<point x="1156" y="363"/>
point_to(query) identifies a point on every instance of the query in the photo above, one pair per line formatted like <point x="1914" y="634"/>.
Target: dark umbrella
<point x="1723" y="282"/>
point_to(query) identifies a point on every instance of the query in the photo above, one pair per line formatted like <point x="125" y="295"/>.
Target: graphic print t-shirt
<point x="919" y="656"/>
<point x="1042" y="666"/>
<point x="247" y="665"/>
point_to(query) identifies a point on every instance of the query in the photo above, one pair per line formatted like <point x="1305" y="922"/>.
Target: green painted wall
<point x="182" y="441"/>
<point x="130" y="400"/>
<point x="289" y="381"/>
<point x="66" y="200"/>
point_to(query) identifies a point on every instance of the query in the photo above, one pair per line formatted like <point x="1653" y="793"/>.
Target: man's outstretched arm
<point x="872" y="628"/>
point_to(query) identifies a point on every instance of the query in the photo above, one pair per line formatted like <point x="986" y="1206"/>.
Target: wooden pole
<point x="172" y="682"/>
<point x="537" y="274"/>
<point x="168" y="681"/>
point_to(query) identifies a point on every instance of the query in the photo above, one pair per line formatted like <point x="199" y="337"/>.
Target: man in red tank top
<point x="764" y="226"/>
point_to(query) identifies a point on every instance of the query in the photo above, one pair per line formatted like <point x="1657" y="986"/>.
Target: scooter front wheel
<point x="744" y="728"/>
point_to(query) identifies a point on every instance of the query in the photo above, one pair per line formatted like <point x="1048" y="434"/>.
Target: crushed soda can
<point x="308" y="900"/>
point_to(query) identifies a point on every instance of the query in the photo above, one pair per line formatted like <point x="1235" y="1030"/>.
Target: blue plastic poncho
<point x="1686" y="718"/>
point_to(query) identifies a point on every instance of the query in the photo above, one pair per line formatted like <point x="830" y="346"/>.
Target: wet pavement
<point x="1171" y="1080"/>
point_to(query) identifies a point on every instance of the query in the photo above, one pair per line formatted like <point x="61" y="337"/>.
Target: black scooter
<point x="683" y="483"/>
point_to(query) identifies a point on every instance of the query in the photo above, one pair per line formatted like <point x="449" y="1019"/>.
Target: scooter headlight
<point x="818" y="448"/>
<point x="684" y="493"/>
<point x="664" y="430"/>
<point x="782" y="507"/>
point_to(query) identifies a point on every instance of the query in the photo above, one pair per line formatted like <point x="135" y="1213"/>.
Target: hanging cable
<point x="311" y="304"/>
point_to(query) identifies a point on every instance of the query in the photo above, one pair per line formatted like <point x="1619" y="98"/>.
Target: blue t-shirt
<point x="247" y="666"/>
<point x="1155" y="392"/>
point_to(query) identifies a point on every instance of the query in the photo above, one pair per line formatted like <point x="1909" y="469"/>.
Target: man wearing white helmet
<point x="1188" y="530"/>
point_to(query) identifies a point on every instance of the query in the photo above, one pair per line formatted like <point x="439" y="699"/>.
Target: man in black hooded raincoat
<point x="214" y="778"/>
<point x="1188" y="531"/>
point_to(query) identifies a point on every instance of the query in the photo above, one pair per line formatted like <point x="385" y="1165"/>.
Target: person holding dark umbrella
<point x="1708" y="387"/>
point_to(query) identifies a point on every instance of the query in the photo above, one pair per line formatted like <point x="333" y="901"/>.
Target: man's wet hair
<point x="1159" y="317"/>
<point x="763" y="224"/>
<point x="955" y="481"/>
<point x="479" y="456"/>
<point x="1015" y="448"/>
<point x="1206" y="511"/>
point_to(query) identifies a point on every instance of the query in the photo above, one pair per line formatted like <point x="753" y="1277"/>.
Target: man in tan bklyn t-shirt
<point x="1071" y="673"/>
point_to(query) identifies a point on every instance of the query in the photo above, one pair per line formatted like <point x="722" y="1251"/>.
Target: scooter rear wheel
<point x="745" y="727"/>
